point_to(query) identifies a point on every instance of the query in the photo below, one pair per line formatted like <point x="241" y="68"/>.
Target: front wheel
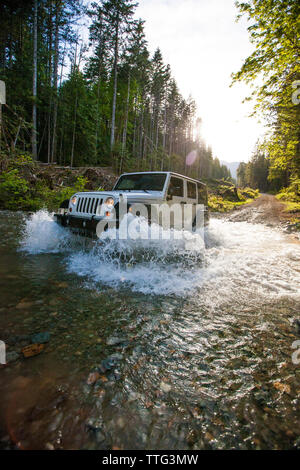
<point x="64" y="204"/>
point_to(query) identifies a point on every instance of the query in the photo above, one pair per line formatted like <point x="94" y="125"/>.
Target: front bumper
<point x="81" y="225"/>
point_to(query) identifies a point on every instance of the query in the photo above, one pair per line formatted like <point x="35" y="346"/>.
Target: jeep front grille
<point x="88" y="205"/>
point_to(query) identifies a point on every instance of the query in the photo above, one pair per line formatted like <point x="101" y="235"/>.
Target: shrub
<point x="248" y="193"/>
<point x="13" y="190"/>
<point x="17" y="194"/>
<point x="291" y="193"/>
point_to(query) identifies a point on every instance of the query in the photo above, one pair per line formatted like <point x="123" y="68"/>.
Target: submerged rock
<point x="33" y="350"/>
<point x="41" y="338"/>
<point x="95" y="426"/>
<point x="166" y="388"/>
<point x="49" y="446"/>
<point x="114" y="341"/>
<point x="56" y="422"/>
<point x="24" y="304"/>
<point x="12" y="356"/>
<point x="296" y="324"/>
<point x="110" y="362"/>
<point x="92" y="378"/>
<point x="18" y="339"/>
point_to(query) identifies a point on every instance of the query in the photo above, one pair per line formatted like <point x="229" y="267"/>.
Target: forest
<point x="97" y="101"/>
<point x="274" y="30"/>
<point x="83" y="90"/>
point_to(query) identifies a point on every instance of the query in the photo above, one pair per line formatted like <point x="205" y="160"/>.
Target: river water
<point x="188" y="346"/>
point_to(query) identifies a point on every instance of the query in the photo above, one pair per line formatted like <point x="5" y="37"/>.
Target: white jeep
<point x="148" y="194"/>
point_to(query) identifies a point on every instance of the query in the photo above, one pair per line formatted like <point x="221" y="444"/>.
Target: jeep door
<point x="190" y="208"/>
<point x="176" y="197"/>
<point x="203" y="199"/>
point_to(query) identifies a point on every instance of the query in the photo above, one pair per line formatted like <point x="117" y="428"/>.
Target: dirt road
<point x="265" y="210"/>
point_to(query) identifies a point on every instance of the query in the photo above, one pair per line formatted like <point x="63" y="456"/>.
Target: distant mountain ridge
<point x="233" y="166"/>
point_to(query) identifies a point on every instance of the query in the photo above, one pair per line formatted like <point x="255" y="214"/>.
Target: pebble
<point x="166" y="388"/>
<point x="92" y="378"/>
<point x="49" y="446"/>
<point x="24" y="305"/>
<point x="55" y="424"/>
<point x="113" y="341"/>
<point x="63" y="285"/>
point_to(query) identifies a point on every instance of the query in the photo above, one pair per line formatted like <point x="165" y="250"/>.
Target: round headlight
<point x="109" y="201"/>
<point x="73" y="200"/>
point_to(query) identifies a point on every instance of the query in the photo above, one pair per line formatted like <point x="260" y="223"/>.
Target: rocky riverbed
<point x="149" y="346"/>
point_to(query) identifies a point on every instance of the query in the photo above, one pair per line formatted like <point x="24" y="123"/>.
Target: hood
<point x="131" y="195"/>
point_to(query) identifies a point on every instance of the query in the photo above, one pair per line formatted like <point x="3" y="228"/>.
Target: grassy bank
<point x="26" y="185"/>
<point x="290" y="197"/>
<point x="30" y="186"/>
<point x="224" y="196"/>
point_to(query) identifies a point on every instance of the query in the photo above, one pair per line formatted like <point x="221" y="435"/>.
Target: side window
<point x="175" y="187"/>
<point x="202" y="194"/>
<point x="191" y="190"/>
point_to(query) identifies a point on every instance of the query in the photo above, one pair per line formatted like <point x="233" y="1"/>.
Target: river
<point x="151" y="344"/>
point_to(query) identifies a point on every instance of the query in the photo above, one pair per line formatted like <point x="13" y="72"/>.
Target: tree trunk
<point x="134" y="130"/>
<point x="75" y="110"/>
<point x="50" y="82"/>
<point x="125" y="125"/>
<point x="34" y="84"/>
<point x="97" y="117"/>
<point x="74" y="130"/>
<point x="55" y="75"/>
<point x="100" y="58"/>
<point x="115" y="69"/>
<point x="141" y="138"/>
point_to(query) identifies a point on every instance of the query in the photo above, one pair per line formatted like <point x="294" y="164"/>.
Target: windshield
<point x="142" y="182"/>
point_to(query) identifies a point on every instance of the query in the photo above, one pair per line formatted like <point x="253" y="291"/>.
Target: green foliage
<point x="20" y="160"/>
<point x="154" y="124"/>
<point x="247" y="193"/>
<point x="228" y="192"/>
<point x="255" y="172"/>
<point x="224" y="196"/>
<point x="219" y="204"/>
<point x="291" y="197"/>
<point x="17" y="194"/>
<point x="292" y="207"/>
<point x="275" y="31"/>
<point x="291" y="193"/>
<point x="51" y="199"/>
<point x="13" y="189"/>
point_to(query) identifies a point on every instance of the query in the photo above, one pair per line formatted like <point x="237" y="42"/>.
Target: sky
<point x="203" y="44"/>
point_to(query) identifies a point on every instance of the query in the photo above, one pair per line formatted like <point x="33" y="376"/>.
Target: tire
<point x="64" y="204"/>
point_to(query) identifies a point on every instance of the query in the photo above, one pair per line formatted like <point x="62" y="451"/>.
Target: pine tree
<point x="117" y="15"/>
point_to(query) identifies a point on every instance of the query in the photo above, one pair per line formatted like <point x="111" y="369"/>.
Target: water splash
<point x="42" y="235"/>
<point x="238" y="259"/>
